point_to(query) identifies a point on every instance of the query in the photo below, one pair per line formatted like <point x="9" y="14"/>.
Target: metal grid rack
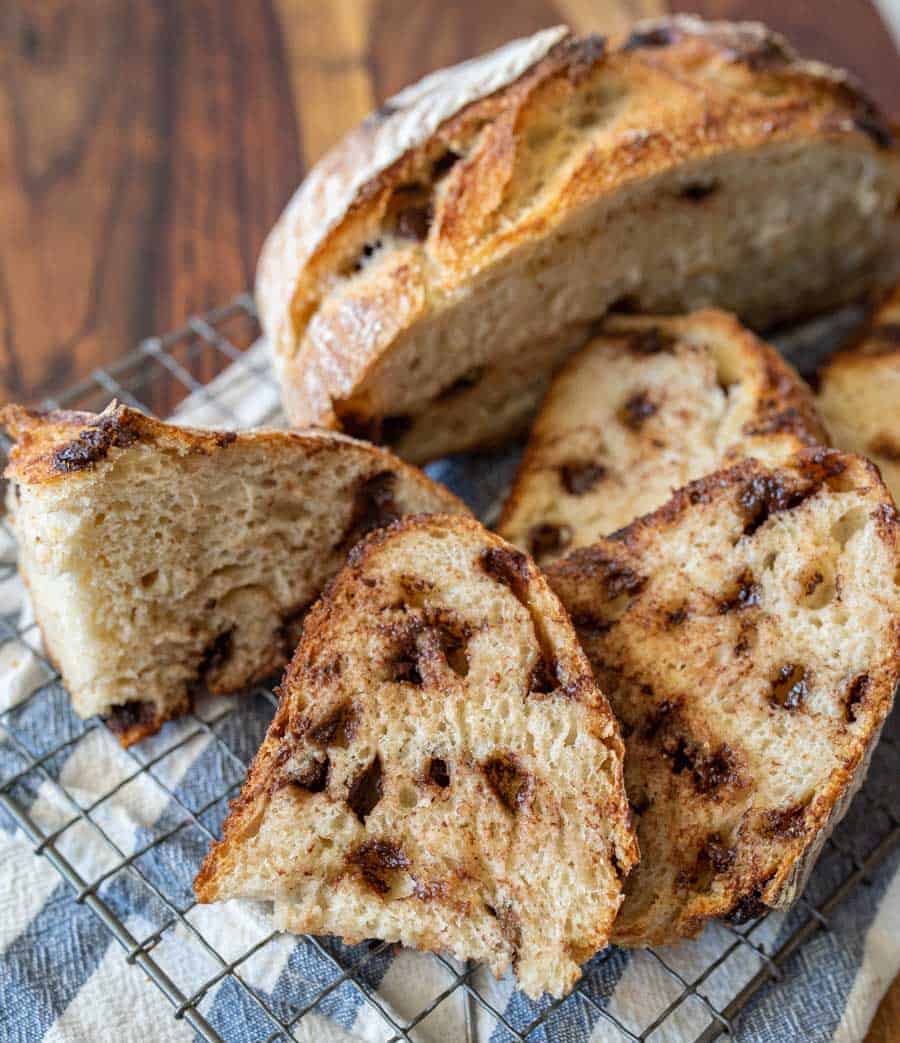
<point x="154" y="377"/>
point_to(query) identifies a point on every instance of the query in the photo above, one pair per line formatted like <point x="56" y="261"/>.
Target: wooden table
<point x="147" y="147"/>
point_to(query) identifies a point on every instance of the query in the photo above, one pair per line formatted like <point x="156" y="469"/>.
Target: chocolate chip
<point x="548" y="538"/>
<point x="511" y="784"/>
<point x="636" y="409"/>
<point x="313" y="777"/>
<point x="336" y="728"/>
<point x="543" y="678"/>
<point x="746" y="594"/>
<point x="366" y="790"/>
<point x="438" y="772"/>
<point x="132" y="714"/>
<point x="580" y="476"/>
<point x="856" y="693"/>
<point x="377" y="861"/>
<point x="785" y="823"/>
<point x="506" y="566"/>
<point x="374" y="507"/>
<point x="413" y="222"/>
<point x="94" y="443"/>
<point x="789" y="687"/>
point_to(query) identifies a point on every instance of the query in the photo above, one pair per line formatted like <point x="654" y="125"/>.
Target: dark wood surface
<point x="147" y="147"/>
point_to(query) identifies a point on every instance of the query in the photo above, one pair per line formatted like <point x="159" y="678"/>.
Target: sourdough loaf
<point x="647" y="407"/>
<point x="160" y="558"/>
<point x="442" y="770"/>
<point x="747" y="635"/>
<point x="439" y="264"/>
<point x="859" y="394"/>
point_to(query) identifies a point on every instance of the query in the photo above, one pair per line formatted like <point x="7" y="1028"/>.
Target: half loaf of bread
<point x="435" y="268"/>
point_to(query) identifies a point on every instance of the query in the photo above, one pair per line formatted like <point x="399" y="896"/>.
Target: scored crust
<point x="442" y="769"/>
<point x="431" y="249"/>
<point x="161" y="559"/>
<point x="650" y="405"/>
<point x="859" y="394"/>
<point x="747" y="635"/>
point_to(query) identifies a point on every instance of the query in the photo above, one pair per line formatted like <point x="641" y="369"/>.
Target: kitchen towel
<point x="151" y="811"/>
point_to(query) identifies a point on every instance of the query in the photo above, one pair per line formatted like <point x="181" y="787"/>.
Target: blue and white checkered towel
<point x="63" y="978"/>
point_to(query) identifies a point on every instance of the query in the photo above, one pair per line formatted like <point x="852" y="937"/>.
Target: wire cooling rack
<point x="42" y="735"/>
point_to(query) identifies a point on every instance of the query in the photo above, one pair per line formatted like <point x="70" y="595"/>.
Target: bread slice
<point x="859" y="394"/>
<point x="748" y="637"/>
<point x="435" y="269"/>
<point x="161" y="558"/>
<point x="442" y="770"/>
<point x="645" y="408"/>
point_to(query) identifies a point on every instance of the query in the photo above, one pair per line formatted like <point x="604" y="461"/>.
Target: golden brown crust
<point x="715" y="841"/>
<point x="62" y="444"/>
<point x="738" y="87"/>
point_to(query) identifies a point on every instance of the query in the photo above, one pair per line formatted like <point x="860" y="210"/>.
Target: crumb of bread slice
<point x="646" y="407"/>
<point x="442" y="769"/>
<point x="160" y="558"/>
<point x="747" y="634"/>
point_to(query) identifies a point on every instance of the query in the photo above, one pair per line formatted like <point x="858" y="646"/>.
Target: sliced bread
<point x="647" y="407"/>
<point x="161" y="558"/>
<point x="437" y="266"/>
<point x="747" y="635"/>
<point x="442" y="770"/>
<point x="859" y="394"/>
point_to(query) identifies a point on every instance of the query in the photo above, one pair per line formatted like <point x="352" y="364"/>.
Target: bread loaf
<point x="859" y="394"/>
<point x="437" y="266"/>
<point x="747" y="635"/>
<point x="160" y="558"/>
<point x="648" y="406"/>
<point x="442" y="770"/>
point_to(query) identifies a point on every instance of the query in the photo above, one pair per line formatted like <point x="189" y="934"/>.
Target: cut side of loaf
<point x="442" y="770"/>
<point x="160" y="559"/>
<point x="747" y="635"/>
<point x="437" y="267"/>
<point x="859" y="394"/>
<point x="647" y="407"/>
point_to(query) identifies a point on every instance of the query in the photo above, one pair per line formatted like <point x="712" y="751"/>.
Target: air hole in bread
<point x="366" y="790"/>
<point x="404" y="666"/>
<point x="359" y="262"/>
<point x="444" y="164"/>
<point x="379" y="864"/>
<point x="856" y="695"/>
<point x="789" y="687"/>
<point x="846" y="527"/>
<point x="652" y="341"/>
<point x="438" y="773"/>
<point x="464" y="383"/>
<point x="510" y="783"/>
<point x="453" y="642"/>
<point x="548" y="538"/>
<point x="636" y="410"/>
<point x="818" y="586"/>
<point x="697" y="191"/>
